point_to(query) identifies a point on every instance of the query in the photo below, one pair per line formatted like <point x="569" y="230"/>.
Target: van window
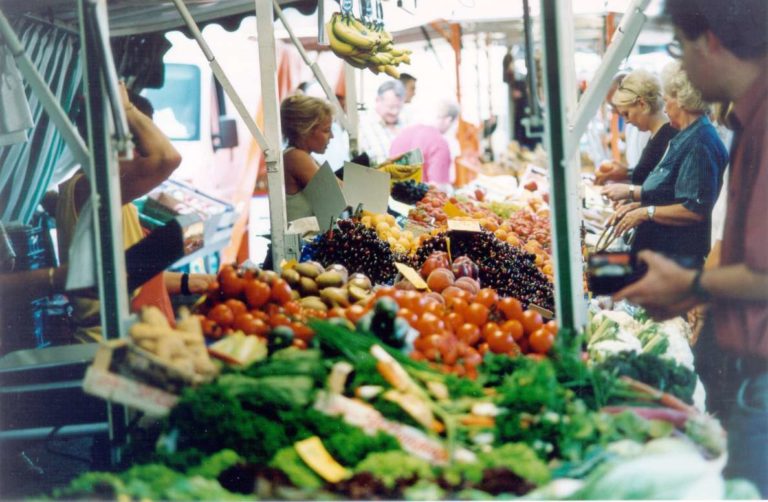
<point x="177" y="103"/>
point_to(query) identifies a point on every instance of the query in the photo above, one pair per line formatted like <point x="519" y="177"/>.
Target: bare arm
<point x="675" y="215"/>
<point x="300" y="168"/>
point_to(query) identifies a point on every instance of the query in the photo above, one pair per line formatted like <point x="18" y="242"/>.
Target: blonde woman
<point x="639" y="100"/>
<point x="306" y="125"/>
<point x="676" y="199"/>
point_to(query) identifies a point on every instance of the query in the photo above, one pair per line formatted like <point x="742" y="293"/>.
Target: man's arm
<point x="665" y="290"/>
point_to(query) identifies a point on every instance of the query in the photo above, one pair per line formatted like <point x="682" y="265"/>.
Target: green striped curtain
<point x="26" y="168"/>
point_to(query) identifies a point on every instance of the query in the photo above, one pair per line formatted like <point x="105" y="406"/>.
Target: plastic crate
<point x="32" y="244"/>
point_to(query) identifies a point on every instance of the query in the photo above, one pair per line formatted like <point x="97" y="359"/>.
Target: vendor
<point x="306" y="125"/>
<point x="154" y="160"/>
<point x="677" y="197"/>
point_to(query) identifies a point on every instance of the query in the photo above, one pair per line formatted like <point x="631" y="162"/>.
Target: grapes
<point x="358" y="248"/>
<point x="503" y="267"/>
<point x="409" y="191"/>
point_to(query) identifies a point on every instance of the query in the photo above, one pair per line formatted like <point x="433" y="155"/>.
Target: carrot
<point x="477" y="421"/>
<point x="663" y="398"/>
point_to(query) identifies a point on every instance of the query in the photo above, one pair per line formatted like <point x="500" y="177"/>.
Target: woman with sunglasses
<point x="672" y="207"/>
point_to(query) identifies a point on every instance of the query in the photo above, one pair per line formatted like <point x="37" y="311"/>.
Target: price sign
<point x="411" y="276"/>
<point x="464" y="226"/>
<point x="546" y="314"/>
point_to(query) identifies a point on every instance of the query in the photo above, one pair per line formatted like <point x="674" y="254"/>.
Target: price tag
<point x="411" y="276"/>
<point x="399" y="207"/>
<point x="546" y="314"/>
<point x="451" y="211"/>
<point x="464" y="226"/>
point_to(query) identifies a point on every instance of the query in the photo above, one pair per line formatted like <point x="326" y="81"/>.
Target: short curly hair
<point x="639" y="84"/>
<point x="300" y="114"/>
<point x="676" y="85"/>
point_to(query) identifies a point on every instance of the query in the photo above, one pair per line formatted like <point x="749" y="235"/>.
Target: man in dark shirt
<point x="724" y="49"/>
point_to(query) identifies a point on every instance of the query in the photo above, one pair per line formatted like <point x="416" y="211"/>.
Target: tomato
<point x="489" y="328"/>
<point x="222" y="315"/>
<point x="500" y="342"/>
<point x="487" y="297"/>
<point x="531" y="321"/>
<point x="429" y="323"/>
<point x="472" y="358"/>
<point x="477" y="314"/>
<point x="302" y="331"/>
<point x="279" y="319"/>
<point x="292" y="308"/>
<point x="214" y="291"/>
<point x="514" y="328"/>
<point x="468" y="333"/>
<point x="408" y="315"/>
<point x="482" y="349"/>
<point x="541" y="340"/>
<point x="236" y="306"/>
<point x="552" y="327"/>
<point x="281" y="292"/>
<point x="299" y="343"/>
<point x="417" y="356"/>
<point x="449" y="350"/>
<point x="511" y="308"/>
<point x="355" y="312"/>
<point x="231" y="284"/>
<point x="246" y="323"/>
<point x="454" y="321"/>
<point x="256" y="293"/>
<point x="336" y="312"/>
<point x="457" y="305"/>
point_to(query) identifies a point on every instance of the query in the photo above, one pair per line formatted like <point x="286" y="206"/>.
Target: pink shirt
<point x="433" y="146"/>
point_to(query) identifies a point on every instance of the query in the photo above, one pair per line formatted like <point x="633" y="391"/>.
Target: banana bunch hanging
<point x="364" y="47"/>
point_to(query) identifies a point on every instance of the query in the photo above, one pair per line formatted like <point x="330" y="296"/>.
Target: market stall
<point x="409" y="343"/>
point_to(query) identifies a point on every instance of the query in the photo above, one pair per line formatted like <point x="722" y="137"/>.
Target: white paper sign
<point x="325" y="196"/>
<point x="366" y="186"/>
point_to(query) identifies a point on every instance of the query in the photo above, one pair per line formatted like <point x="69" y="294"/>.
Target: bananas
<point x="363" y="47"/>
<point x="399" y="172"/>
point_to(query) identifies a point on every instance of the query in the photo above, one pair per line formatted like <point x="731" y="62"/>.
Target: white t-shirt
<point x="636" y="141"/>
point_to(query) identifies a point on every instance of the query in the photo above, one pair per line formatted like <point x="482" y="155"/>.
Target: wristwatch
<point x="631" y="193"/>
<point x="651" y="211"/>
<point x="697" y="289"/>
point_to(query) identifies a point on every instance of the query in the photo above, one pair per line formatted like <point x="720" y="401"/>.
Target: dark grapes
<point x="409" y="191"/>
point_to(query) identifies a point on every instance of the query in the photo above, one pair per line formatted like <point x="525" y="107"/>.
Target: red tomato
<point x="482" y="349"/>
<point x="489" y="328"/>
<point x="246" y="323"/>
<point x="552" y="326"/>
<point x="408" y="315"/>
<point x="500" y="342"/>
<point x="302" y="331"/>
<point x="355" y="312"/>
<point x="514" y="328"/>
<point x="231" y="284"/>
<point x="256" y="293"/>
<point x="472" y="358"/>
<point x="236" y="306"/>
<point x="531" y="321"/>
<point x="541" y="340"/>
<point x="222" y="315"/>
<point x="487" y="297"/>
<point x="477" y="314"/>
<point x="429" y="323"/>
<point x="281" y="292"/>
<point x="468" y="333"/>
<point x="511" y="308"/>
<point x="299" y="343"/>
<point x="454" y="320"/>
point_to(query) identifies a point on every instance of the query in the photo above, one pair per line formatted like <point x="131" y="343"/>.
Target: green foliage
<point x="289" y="461"/>
<point x="390" y="466"/>
<point x="665" y="374"/>
<point x="516" y="457"/>
<point x="463" y="387"/>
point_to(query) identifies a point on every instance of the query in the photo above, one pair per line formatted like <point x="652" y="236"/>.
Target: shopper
<point x="379" y="128"/>
<point x="154" y="160"/>
<point x="635" y="141"/>
<point x="429" y="139"/>
<point x="306" y="124"/>
<point x="676" y="198"/>
<point x="724" y="49"/>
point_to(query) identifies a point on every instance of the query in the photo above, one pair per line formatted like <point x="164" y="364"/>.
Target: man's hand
<point x="630" y="218"/>
<point x="611" y="171"/>
<point x="664" y="291"/>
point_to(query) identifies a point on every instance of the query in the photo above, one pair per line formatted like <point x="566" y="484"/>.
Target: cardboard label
<point x="411" y="276"/>
<point x="366" y="186"/>
<point x="451" y="211"/>
<point x="325" y="196"/>
<point x="546" y="314"/>
<point x="464" y="226"/>
<point x="400" y="207"/>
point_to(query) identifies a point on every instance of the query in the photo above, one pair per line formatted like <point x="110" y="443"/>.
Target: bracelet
<point x="696" y="288"/>
<point x="631" y="193"/>
<point x="185" y="284"/>
<point x="50" y="278"/>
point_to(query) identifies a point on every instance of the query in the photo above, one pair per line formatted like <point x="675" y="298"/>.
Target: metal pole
<point x="283" y="246"/>
<point x="530" y="62"/>
<point x="569" y="294"/>
<point x="50" y="104"/>
<point x="623" y="40"/>
<point x="222" y="78"/>
<point x="350" y="100"/>
<point x="105" y="198"/>
<point x="316" y="71"/>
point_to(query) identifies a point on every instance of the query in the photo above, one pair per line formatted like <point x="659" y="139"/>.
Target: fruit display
<point x="365" y="47"/>
<point x="359" y="249"/>
<point x="325" y="288"/>
<point x="401" y="241"/>
<point x="507" y="269"/>
<point x="401" y="172"/>
<point x="409" y="191"/>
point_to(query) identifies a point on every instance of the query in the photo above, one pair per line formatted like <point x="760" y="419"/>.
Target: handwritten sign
<point x="464" y="226"/>
<point x="546" y="314"/>
<point x="411" y="276"/>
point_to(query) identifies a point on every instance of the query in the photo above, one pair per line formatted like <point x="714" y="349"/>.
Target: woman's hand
<point x="199" y="283"/>
<point x="616" y="191"/>
<point x="621" y="210"/>
<point x="631" y="219"/>
<point x="611" y="171"/>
